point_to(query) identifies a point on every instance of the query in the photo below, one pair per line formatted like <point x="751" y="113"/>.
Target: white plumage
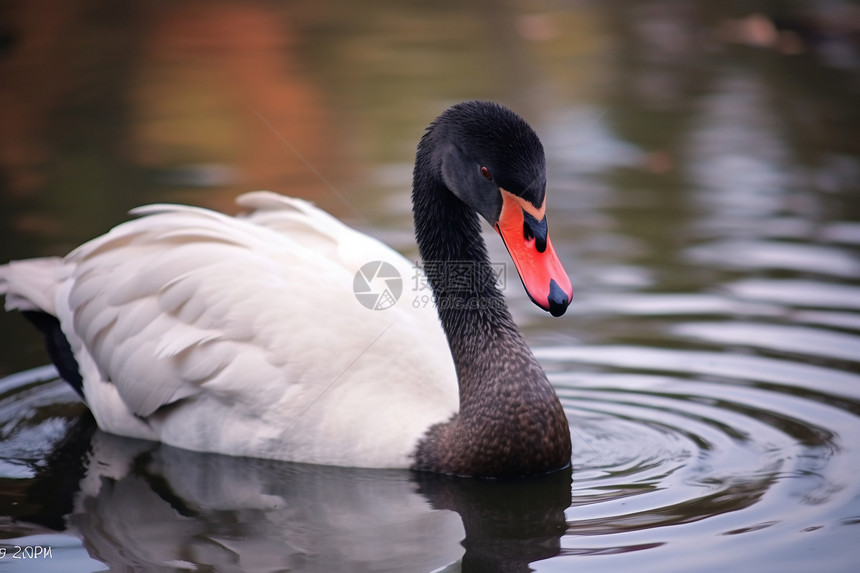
<point x="242" y="335"/>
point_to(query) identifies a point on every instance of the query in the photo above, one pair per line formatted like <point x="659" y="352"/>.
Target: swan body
<point x="243" y="335"/>
<point x="214" y="333"/>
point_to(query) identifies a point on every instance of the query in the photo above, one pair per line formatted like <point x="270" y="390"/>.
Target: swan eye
<point x="486" y="173"/>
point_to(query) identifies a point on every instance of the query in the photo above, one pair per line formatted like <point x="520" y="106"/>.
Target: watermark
<point x="458" y="302"/>
<point x="21" y="552"/>
<point x="378" y="285"/>
<point x="462" y="276"/>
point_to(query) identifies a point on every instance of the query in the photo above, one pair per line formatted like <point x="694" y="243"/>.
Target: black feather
<point x="58" y="348"/>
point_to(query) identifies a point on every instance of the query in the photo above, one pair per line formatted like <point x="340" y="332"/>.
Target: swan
<point x="245" y="335"/>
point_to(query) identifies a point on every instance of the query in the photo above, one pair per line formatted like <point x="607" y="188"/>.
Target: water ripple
<point x="798" y="292"/>
<point x="725" y="365"/>
<point x="804" y="340"/>
<point x="726" y="444"/>
<point x="747" y="254"/>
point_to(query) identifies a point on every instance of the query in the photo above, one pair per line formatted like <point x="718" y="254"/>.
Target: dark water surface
<point x="704" y="194"/>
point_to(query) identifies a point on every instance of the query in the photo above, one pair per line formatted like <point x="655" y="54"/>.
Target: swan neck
<point x="481" y="333"/>
<point x="510" y="420"/>
<point x="455" y="260"/>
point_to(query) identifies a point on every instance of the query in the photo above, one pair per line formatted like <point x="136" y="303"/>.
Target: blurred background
<point x="703" y="191"/>
<point x="745" y="109"/>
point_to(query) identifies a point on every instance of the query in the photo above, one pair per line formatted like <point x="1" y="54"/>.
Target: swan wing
<point x="244" y="336"/>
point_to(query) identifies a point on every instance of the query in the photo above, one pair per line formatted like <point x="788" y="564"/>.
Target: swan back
<point x="242" y="335"/>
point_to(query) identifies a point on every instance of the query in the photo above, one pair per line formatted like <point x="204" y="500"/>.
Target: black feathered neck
<point x="510" y="420"/>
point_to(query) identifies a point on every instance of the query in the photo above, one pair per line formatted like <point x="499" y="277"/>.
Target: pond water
<point x="704" y="194"/>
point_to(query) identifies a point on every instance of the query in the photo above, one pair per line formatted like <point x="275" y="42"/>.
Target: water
<point x="704" y="175"/>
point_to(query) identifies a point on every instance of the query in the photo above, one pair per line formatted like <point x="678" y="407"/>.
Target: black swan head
<point x="491" y="160"/>
<point x="479" y="158"/>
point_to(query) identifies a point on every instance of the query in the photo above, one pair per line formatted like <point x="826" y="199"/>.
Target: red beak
<point x="523" y="230"/>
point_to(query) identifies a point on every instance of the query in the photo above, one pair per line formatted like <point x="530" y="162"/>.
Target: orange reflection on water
<point x="221" y="84"/>
<point x="214" y="88"/>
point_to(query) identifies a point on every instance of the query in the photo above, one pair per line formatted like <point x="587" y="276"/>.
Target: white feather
<point x="242" y="335"/>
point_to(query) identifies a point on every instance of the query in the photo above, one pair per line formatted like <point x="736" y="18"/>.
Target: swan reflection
<point x="141" y="505"/>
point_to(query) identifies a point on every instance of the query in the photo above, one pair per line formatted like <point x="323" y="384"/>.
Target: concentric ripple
<point x="723" y="444"/>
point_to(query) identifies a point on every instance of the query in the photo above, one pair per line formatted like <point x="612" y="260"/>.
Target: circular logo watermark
<point x="377" y="285"/>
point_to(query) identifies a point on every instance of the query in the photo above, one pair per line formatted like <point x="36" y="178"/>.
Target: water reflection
<point x="738" y="162"/>
<point x="141" y="505"/>
<point x="149" y="506"/>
